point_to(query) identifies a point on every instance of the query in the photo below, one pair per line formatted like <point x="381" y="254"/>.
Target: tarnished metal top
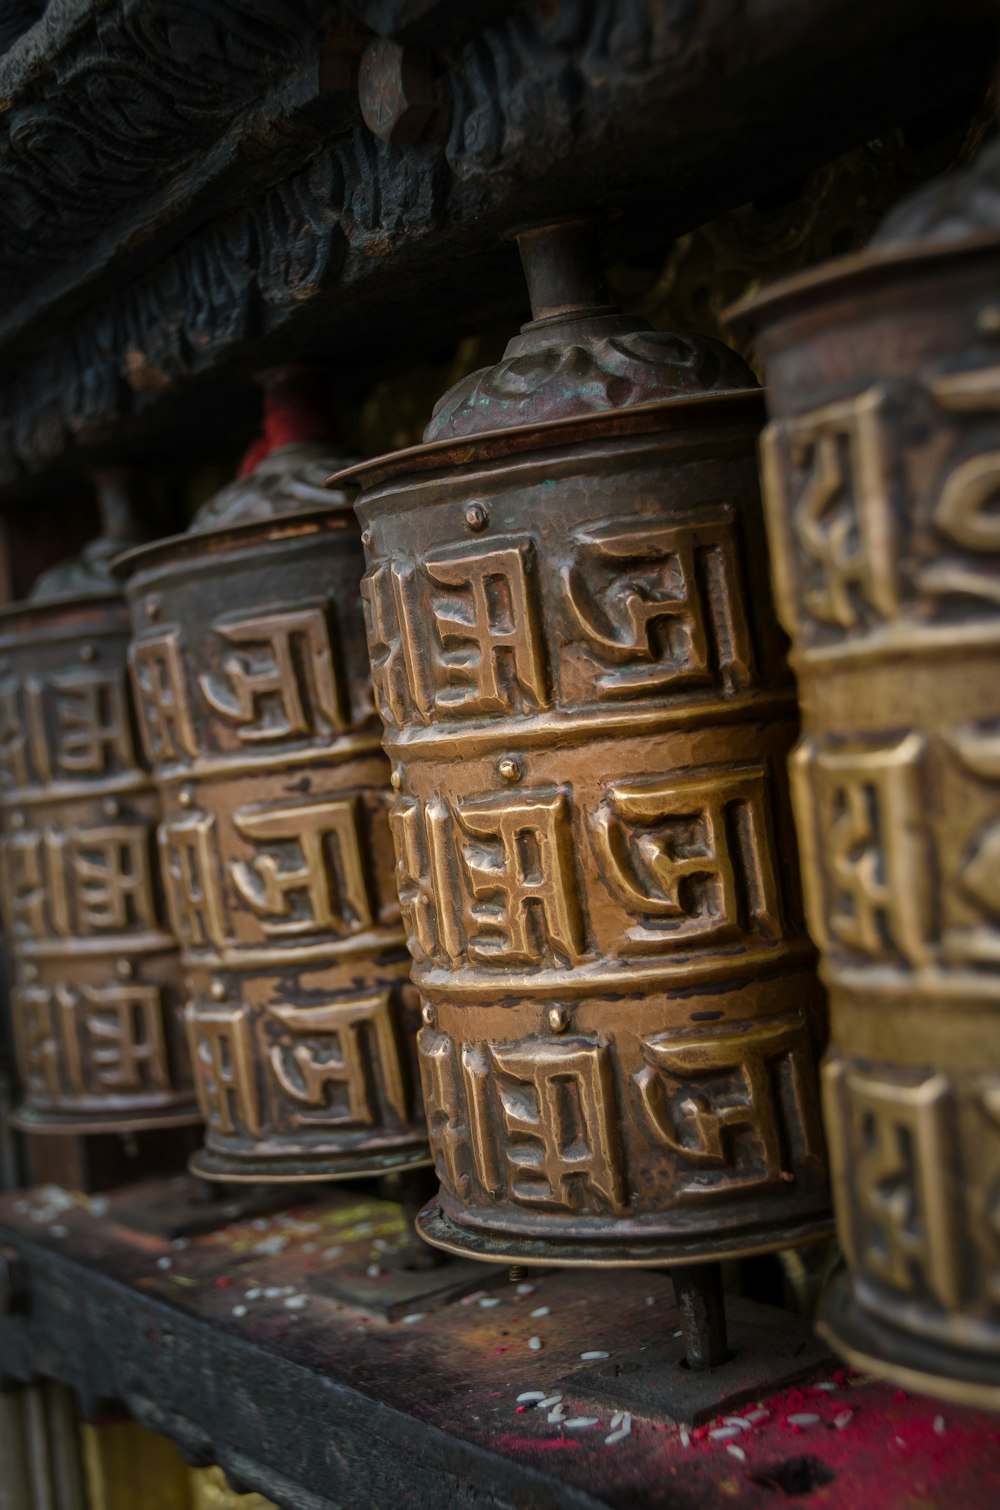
<point x="89" y="574"/>
<point x="579" y="353"/>
<point x="286" y="481"/>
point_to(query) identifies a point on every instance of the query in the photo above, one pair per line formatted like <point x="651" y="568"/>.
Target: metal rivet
<point x="185" y="796"/>
<point x="558" y="1019"/>
<point x="476" y="516"/>
<point x="428" y="1015"/>
<point x="509" y="768"/>
<point x="88" y="653"/>
<point x="124" y="969"/>
<point x="217" y="991"/>
<point x="110" y="808"/>
<point x="988" y="320"/>
<point x="152" y="607"/>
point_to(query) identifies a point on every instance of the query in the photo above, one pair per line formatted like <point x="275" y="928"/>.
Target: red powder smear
<point x="223" y="1282"/>
<point x="536" y="1444"/>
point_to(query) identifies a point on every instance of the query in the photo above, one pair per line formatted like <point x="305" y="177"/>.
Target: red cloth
<point x="294" y="409"/>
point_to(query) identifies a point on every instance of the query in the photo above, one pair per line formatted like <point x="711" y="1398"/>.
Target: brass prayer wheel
<point x="254" y="700"/>
<point x="97" y="998"/>
<point x="882" y="475"/>
<point x="588" y="711"/>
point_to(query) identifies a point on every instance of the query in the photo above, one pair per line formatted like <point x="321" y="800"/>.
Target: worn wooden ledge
<point x="188" y="190"/>
<point x="233" y="1344"/>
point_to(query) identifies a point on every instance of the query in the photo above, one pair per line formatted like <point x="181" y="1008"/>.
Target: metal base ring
<point x="876" y="1346"/>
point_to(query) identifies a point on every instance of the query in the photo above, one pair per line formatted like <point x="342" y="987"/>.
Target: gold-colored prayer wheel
<point x="97" y="997"/>
<point x="252" y="687"/>
<point x="588" y="712"/>
<point x="882" y="480"/>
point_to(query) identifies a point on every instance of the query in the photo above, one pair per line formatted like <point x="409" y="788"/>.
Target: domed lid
<point x="285" y="469"/>
<point x="89" y="575"/>
<point x="949" y="208"/>
<point x="579" y="353"/>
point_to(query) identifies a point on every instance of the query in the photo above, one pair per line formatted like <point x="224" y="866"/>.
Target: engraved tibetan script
<point x="161" y="698"/>
<point x="309" y="872"/>
<point x="89" y="881"/>
<point x="893" y="1162"/>
<point x="660" y="606"/>
<point x="74" y="725"/>
<point x="92" y="1040"/>
<point x="733" y="1107"/>
<point x="692" y="856"/>
<point x="458" y="636"/>
<point x="189" y="865"/>
<point x="330" y="1060"/>
<point x="867" y="882"/>
<point x="280" y="681"/>
<point x="520" y="869"/>
<point x="114" y="1038"/>
<point x="222" y="1053"/>
<point x="827" y="486"/>
<point x="552" y="1139"/>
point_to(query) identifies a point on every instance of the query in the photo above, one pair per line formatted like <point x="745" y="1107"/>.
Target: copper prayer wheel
<point x="97" y="997"/>
<point x="882" y="475"/>
<point x="252" y="687"/>
<point x="588" y="711"/>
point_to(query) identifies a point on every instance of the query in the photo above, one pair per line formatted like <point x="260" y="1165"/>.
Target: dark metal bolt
<point x="701" y="1310"/>
<point x="396" y="91"/>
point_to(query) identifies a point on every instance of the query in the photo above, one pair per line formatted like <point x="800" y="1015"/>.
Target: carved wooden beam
<point x="188" y="187"/>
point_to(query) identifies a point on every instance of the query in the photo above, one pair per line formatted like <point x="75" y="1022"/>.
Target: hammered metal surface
<point x="882" y="468"/>
<point x="255" y="706"/>
<point x="588" y="710"/>
<point x="97" y="997"/>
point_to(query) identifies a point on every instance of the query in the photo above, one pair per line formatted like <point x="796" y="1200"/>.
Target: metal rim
<point x="208" y="1165"/>
<point x="441" y="1232"/>
<point x="492" y="445"/>
<point x="874" y="1345"/>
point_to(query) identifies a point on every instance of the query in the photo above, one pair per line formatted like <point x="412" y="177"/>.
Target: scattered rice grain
<point x="164" y="1263"/>
<point x="578" y="1423"/>
<point x="489" y="1301"/>
<point x="416" y="1316"/>
<point x="239" y="1310"/>
<point x="843" y="1418"/>
<point x="540" y="1311"/>
<point x="549" y="1400"/>
<point x="939" y="1426"/>
<point x="296" y="1302"/>
<point x="685" y="1439"/>
<point x="524" y="1289"/>
<point x="528" y="1397"/>
<point x="737" y="1452"/>
<point x="725" y="1433"/>
<point x="594" y="1355"/>
<point x="535" y="1344"/>
<point x="803" y="1418"/>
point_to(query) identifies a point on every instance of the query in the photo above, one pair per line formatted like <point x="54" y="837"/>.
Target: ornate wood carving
<point x="296" y="203"/>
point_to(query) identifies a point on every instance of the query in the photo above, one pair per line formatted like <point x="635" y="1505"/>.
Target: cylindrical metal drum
<point x="588" y="711"/>
<point x="882" y="479"/>
<point x="254" y="699"/>
<point x="97" y="997"/>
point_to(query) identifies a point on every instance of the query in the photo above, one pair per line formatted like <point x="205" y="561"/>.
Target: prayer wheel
<point x="882" y="475"/>
<point x="588" y="711"/>
<point x="254" y="700"/>
<point x="97" y="998"/>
